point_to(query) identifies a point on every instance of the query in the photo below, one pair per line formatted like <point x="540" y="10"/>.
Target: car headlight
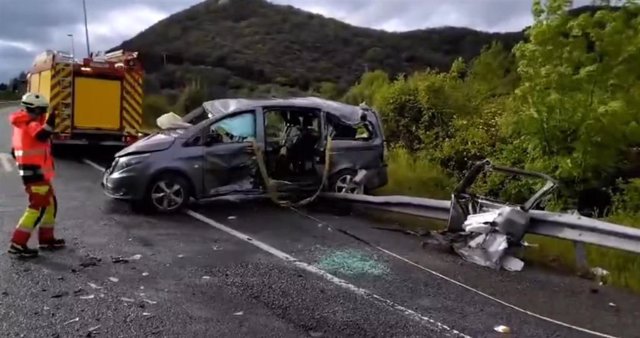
<point x="129" y="161"/>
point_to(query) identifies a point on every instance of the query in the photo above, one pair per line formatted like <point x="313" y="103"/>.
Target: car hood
<point x="154" y="142"/>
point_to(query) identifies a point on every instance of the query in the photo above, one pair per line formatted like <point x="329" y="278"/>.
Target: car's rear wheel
<point x="168" y="193"/>
<point x="342" y="182"/>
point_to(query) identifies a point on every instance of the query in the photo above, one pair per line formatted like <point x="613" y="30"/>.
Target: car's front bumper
<point x="122" y="185"/>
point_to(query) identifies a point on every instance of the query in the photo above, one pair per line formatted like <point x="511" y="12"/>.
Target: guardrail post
<point x="582" y="265"/>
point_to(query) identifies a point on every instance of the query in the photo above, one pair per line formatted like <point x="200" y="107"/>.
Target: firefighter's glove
<point x="51" y="120"/>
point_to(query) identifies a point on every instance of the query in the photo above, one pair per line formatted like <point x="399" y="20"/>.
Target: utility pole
<point x="86" y="27"/>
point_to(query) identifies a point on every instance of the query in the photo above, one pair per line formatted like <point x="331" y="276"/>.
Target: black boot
<point x="22" y="251"/>
<point x="56" y="243"/>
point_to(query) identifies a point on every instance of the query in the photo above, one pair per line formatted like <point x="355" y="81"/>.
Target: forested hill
<point x="258" y="42"/>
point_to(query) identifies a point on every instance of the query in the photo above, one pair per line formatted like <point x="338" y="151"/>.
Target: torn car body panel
<point x="489" y="228"/>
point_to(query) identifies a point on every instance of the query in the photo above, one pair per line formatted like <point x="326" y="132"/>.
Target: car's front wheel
<point x="168" y="193"/>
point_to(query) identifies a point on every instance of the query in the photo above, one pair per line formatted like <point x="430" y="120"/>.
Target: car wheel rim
<point x="167" y="195"/>
<point x="345" y="185"/>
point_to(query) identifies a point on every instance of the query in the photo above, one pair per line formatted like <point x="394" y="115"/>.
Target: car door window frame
<point x="205" y="129"/>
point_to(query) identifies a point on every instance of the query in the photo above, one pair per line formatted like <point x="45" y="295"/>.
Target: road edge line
<point x="433" y="324"/>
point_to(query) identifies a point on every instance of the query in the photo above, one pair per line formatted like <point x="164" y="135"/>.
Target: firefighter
<point x="31" y="148"/>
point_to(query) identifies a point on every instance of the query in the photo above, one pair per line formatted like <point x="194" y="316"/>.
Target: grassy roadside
<point x="416" y="177"/>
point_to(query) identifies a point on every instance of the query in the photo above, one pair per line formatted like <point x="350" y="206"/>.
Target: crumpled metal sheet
<point x="486" y="239"/>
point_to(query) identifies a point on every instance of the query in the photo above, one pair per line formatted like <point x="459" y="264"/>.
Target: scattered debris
<point x="352" y="262"/>
<point x="216" y="248"/>
<point x="71" y="321"/>
<point x="612" y="304"/>
<point x="240" y="313"/>
<point x="206" y="277"/>
<point x="180" y="255"/>
<point x="600" y="275"/>
<point x="119" y="259"/>
<point x="149" y="301"/>
<point x="87" y="297"/>
<point x="93" y="329"/>
<point x="113" y="279"/>
<point x="231" y="217"/>
<point x="146" y="314"/>
<point x="128" y="300"/>
<point x="502" y="329"/>
<point x="94" y="286"/>
<point x="90" y="261"/>
<point x="60" y="294"/>
<point x="46" y="308"/>
<point x="145" y="274"/>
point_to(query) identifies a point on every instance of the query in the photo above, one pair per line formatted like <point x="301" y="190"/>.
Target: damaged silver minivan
<point x="233" y="146"/>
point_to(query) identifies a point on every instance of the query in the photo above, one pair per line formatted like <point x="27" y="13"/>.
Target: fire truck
<point x="98" y="100"/>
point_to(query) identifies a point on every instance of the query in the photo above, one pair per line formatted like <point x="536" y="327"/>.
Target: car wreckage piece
<point x="483" y="230"/>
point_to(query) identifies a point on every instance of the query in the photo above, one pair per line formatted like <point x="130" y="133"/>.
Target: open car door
<point x="229" y="164"/>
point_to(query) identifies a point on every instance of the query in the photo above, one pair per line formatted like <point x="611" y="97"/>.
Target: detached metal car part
<point x="210" y="152"/>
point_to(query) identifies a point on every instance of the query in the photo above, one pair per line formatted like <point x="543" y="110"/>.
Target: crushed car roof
<point x="345" y="112"/>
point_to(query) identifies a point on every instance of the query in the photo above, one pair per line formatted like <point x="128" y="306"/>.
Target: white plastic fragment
<point x="180" y="255"/>
<point x="135" y="257"/>
<point x="502" y="329"/>
<point x="231" y="217"/>
<point x="146" y="314"/>
<point x="72" y="320"/>
<point x="91" y="329"/>
<point x="113" y="279"/>
<point x="240" y="313"/>
<point x="511" y="263"/>
<point x="206" y="277"/>
<point x="145" y="274"/>
<point x="95" y="286"/>
<point x="149" y="301"/>
<point x="128" y="300"/>
<point x="87" y="297"/>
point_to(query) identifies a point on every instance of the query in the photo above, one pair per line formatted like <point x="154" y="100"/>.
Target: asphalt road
<point x="254" y="269"/>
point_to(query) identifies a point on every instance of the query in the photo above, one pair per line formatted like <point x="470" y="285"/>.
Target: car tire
<point x="168" y="193"/>
<point x="340" y="182"/>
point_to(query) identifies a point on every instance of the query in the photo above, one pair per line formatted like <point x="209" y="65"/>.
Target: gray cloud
<point x="30" y="26"/>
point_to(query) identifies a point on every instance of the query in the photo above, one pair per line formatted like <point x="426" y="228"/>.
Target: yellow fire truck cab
<point x="97" y="100"/>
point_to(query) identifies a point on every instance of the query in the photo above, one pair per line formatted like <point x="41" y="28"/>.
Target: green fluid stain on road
<point x="351" y="262"/>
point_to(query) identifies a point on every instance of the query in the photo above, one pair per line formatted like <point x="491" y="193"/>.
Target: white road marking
<point x="94" y="165"/>
<point x="435" y="325"/>
<point x="514" y="307"/>
<point x="6" y="161"/>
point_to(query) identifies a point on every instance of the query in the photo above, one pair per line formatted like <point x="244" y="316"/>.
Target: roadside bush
<point x="153" y="107"/>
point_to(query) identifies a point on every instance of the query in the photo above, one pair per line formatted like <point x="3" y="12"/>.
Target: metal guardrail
<point x="558" y="225"/>
<point x="579" y="229"/>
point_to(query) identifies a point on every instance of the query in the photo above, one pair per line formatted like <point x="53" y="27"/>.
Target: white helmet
<point x="34" y="100"/>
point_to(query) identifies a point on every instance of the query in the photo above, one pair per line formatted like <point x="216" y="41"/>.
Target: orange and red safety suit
<point x="31" y="147"/>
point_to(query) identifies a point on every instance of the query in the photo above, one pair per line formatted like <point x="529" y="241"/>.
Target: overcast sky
<point x="27" y="27"/>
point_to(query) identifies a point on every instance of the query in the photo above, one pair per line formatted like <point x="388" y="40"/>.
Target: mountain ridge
<point x="236" y="44"/>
